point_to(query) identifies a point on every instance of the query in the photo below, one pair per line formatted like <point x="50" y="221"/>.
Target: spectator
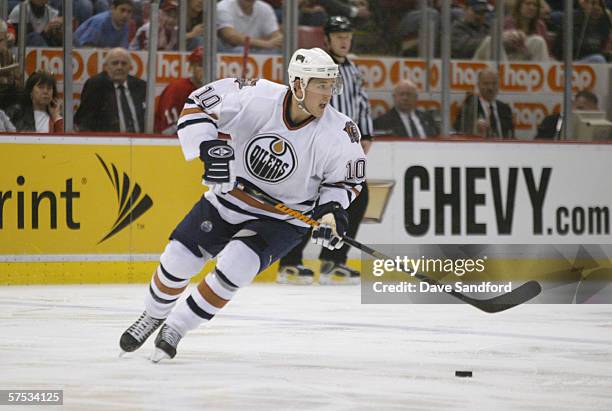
<point x="404" y="119"/>
<point x="51" y="36"/>
<point x="346" y="8"/>
<point x="39" y="14"/>
<point x="172" y="99"/>
<point x="409" y="31"/>
<point x="107" y="29"/>
<point x="8" y="76"/>
<point x="195" y="28"/>
<point x="113" y="100"/>
<point x="469" y="33"/>
<point x="550" y="127"/>
<point x="311" y="13"/>
<point x="252" y="20"/>
<point x="5" y="123"/>
<point x="40" y="108"/>
<point x="9" y="71"/>
<point x="483" y="114"/>
<point x="82" y="9"/>
<point x="167" y="38"/>
<point x="277" y="6"/>
<point x="591" y="33"/>
<point x="528" y="33"/>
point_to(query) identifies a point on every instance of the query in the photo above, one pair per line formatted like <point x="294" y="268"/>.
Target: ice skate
<point x="295" y="274"/>
<point x="338" y="274"/>
<point x="137" y="333"/>
<point x="165" y="344"/>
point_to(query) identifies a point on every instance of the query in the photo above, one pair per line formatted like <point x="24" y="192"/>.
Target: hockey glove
<point x="333" y="221"/>
<point x="216" y="156"/>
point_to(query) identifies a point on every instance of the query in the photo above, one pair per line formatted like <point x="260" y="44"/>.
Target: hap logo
<point x="131" y="204"/>
<point x="270" y="158"/>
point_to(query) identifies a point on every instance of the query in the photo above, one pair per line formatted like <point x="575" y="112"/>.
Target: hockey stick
<point x="502" y="302"/>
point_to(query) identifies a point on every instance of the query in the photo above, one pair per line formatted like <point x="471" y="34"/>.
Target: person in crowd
<point x="354" y="103"/>
<point x="107" y="29"/>
<point x="9" y="71"/>
<point x="39" y="15"/>
<point x="242" y="21"/>
<point x="195" y="27"/>
<point x="311" y="13"/>
<point x="167" y="39"/>
<point x="404" y="119"/>
<point x="591" y="33"/>
<point x="82" y="9"/>
<point x="483" y="114"/>
<point x="469" y="33"/>
<point x="51" y="36"/>
<point x="409" y="31"/>
<point x="6" y="126"/>
<point x="172" y="99"/>
<point x="8" y="79"/>
<point x="525" y="34"/>
<point x="113" y="100"/>
<point x="551" y="125"/>
<point x="40" y="109"/>
<point x="347" y="8"/>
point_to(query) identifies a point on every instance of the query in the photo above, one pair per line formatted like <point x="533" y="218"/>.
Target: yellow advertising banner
<point x="93" y="196"/>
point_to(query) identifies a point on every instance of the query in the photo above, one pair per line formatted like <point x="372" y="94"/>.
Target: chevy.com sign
<point x="493" y="192"/>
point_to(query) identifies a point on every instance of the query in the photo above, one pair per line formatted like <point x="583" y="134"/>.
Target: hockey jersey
<point x="319" y="160"/>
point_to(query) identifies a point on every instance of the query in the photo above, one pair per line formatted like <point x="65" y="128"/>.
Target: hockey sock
<point x="164" y="291"/>
<point x="213" y="292"/>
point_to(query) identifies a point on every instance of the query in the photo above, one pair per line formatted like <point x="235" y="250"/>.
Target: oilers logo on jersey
<point x="270" y="158"/>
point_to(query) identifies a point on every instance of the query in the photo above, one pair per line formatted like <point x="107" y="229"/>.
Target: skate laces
<point x="170" y="335"/>
<point x="143" y="327"/>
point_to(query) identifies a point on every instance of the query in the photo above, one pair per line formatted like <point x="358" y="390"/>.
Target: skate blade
<point x="294" y="280"/>
<point x="338" y="280"/>
<point x="159" y="355"/>
<point x="123" y="354"/>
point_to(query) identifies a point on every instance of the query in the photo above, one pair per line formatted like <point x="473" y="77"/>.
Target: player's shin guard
<point x="164" y="291"/>
<point x="177" y="265"/>
<point x="213" y="292"/>
<point x="236" y="267"/>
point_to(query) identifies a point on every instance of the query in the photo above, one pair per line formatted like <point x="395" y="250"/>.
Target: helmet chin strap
<point x="300" y="101"/>
<point x="302" y="107"/>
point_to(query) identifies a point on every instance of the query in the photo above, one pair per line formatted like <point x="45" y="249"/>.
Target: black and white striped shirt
<point x="353" y="102"/>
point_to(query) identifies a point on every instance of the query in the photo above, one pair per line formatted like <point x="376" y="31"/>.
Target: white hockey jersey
<point x="320" y="158"/>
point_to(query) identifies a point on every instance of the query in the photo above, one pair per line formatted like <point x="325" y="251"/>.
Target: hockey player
<point x="285" y="141"/>
<point x="354" y="103"/>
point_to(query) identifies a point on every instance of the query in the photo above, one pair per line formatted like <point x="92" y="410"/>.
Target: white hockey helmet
<point x="313" y="63"/>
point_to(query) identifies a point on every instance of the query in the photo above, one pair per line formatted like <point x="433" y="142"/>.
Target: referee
<point x="354" y="103"/>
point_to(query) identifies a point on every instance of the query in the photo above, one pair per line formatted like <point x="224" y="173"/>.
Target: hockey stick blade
<point x="503" y="302"/>
<point x="518" y="296"/>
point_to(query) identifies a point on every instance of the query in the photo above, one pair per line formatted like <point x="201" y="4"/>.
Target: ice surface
<point x="286" y="347"/>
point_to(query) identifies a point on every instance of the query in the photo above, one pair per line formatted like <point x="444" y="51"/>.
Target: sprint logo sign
<point x="131" y="200"/>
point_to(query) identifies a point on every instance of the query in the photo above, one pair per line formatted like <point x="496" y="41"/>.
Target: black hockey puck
<point x="463" y="373"/>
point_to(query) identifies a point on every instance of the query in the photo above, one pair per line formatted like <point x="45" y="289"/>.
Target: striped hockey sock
<point x="164" y="291"/>
<point x="213" y="292"/>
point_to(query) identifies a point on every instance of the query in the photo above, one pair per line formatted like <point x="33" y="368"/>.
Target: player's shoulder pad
<point x="259" y="87"/>
<point x="343" y="129"/>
